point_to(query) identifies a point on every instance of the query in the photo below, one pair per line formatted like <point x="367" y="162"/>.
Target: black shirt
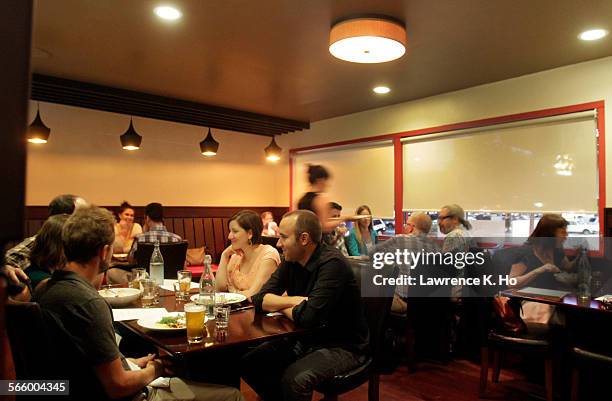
<point x="80" y="325"/>
<point x="306" y="201"/>
<point x="334" y="299"/>
<point x="543" y="280"/>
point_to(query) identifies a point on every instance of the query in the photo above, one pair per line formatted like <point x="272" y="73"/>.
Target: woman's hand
<point x="548" y="268"/>
<point x="227" y="254"/>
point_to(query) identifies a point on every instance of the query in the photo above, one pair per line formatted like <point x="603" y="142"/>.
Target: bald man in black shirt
<point x="323" y="295"/>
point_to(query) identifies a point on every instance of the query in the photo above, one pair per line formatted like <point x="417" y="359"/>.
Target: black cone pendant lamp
<point x="38" y="132"/>
<point x="209" y="146"/>
<point x="273" y="151"/>
<point x="130" y="140"/>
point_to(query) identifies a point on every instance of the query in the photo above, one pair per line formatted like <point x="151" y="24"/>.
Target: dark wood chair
<point x="174" y="254"/>
<point x="583" y="359"/>
<point x="534" y="341"/>
<point x="376" y="309"/>
<point x="28" y="339"/>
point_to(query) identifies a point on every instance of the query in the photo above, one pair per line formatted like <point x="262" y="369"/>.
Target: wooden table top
<point x="245" y="327"/>
<point x="569" y="301"/>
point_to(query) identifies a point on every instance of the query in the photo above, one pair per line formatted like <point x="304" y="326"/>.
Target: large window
<point x="507" y="176"/>
<point x="360" y="175"/>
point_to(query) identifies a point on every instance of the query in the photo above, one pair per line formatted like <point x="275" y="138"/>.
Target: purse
<point x="508" y="316"/>
<point x="195" y="256"/>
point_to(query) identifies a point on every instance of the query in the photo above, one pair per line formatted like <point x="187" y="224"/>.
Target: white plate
<point x="230" y="297"/>
<point x="120" y="296"/>
<point x="152" y="323"/>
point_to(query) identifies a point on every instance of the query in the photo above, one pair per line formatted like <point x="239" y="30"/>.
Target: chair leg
<point x="373" y="387"/>
<point x="484" y="371"/>
<point x="497" y="361"/>
<point x="410" y="350"/>
<point x="548" y="369"/>
<point x="575" y="378"/>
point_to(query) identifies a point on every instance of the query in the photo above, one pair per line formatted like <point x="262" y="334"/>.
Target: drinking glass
<point x="194" y="316"/>
<point x="137" y="275"/>
<point x="222" y="316"/>
<point x="149" y="292"/>
<point x="184" y="284"/>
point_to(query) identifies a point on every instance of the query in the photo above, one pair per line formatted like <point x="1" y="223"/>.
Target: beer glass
<point x="194" y="317"/>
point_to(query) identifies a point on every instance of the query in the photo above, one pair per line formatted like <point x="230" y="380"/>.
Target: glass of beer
<point x="184" y="281"/>
<point x="194" y="316"/>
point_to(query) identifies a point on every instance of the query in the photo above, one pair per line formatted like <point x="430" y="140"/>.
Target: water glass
<point x="222" y="316"/>
<point x="184" y="284"/>
<point x="136" y="276"/>
<point x="149" y="292"/>
<point x="194" y="317"/>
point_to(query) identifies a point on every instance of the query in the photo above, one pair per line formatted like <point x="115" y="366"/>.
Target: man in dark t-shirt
<point x="80" y="324"/>
<point x="321" y="294"/>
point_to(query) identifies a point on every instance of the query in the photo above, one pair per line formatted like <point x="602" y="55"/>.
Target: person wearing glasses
<point x="452" y="223"/>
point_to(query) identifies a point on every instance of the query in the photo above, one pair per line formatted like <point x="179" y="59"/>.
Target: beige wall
<point x="578" y="83"/>
<point x="84" y="157"/>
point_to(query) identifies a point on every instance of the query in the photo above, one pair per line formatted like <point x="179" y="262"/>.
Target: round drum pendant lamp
<point x="375" y="39"/>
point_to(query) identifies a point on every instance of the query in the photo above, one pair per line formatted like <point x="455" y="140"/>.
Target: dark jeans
<point x="286" y="370"/>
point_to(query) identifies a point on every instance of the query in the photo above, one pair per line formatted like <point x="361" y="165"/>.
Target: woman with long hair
<point x="126" y="229"/>
<point x="362" y="236"/>
<point x="47" y="253"/>
<point x="544" y="255"/>
<point x="246" y="264"/>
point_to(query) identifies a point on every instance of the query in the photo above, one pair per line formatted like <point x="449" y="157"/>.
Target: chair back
<point x="174" y="254"/>
<point x="30" y="345"/>
<point x="377" y="303"/>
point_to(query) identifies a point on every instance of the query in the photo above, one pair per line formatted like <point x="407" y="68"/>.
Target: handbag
<point x="195" y="256"/>
<point x="508" y="316"/>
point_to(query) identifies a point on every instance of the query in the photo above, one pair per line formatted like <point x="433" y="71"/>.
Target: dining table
<point x="245" y="330"/>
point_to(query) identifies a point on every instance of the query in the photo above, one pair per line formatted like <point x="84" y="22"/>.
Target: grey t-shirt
<point x="80" y="323"/>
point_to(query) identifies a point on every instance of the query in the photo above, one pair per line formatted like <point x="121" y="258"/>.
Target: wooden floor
<point x="457" y="381"/>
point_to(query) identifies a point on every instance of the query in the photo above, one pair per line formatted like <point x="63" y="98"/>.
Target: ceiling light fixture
<point x="130" y="140"/>
<point x="273" y="151"/>
<point x="375" y="39"/>
<point x="381" y="90"/>
<point x="168" y="13"/>
<point x="593" y="34"/>
<point x="209" y="146"/>
<point x="38" y="132"/>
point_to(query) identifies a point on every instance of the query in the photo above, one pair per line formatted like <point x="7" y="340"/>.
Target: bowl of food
<point x="118" y="297"/>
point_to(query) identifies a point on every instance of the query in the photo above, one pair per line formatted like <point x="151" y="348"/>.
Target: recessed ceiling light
<point x="381" y="90"/>
<point x="593" y="34"/>
<point x="538" y="204"/>
<point x="168" y="13"/>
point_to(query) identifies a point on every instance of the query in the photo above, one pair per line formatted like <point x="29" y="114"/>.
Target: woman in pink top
<point x="246" y="264"/>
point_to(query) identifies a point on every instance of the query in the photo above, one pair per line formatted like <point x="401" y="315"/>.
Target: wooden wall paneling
<point x="219" y="239"/>
<point x="169" y="223"/>
<point x="209" y="236"/>
<point x="198" y="228"/>
<point x="179" y="227"/>
<point x="225" y="229"/>
<point x="33" y="226"/>
<point x="189" y="233"/>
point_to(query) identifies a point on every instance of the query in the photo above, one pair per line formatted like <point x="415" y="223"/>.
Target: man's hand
<point x="142" y="362"/>
<point x="156" y="366"/>
<point x="15" y="274"/>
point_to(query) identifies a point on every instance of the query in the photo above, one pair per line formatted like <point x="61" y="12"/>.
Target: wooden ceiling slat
<point x="82" y="94"/>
